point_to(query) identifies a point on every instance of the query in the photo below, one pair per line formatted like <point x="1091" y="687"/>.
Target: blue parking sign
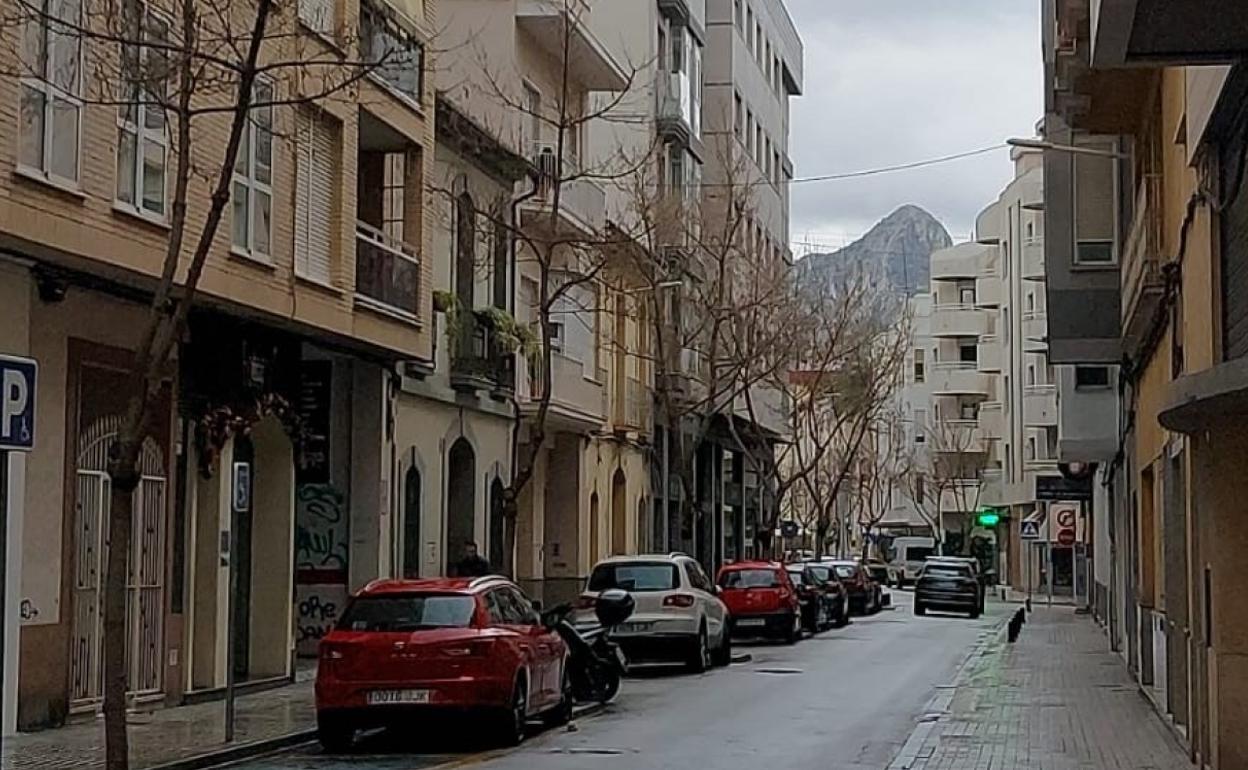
<point x="17" y="402"/>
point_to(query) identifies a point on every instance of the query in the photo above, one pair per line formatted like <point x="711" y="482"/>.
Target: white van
<point x="906" y="557"/>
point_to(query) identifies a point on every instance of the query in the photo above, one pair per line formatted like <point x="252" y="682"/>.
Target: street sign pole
<point x="4" y="586"/>
<point x="1048" y="555"/>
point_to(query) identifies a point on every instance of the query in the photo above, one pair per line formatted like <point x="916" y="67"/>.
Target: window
<point x="758" y="41"/>
<point x="919" y="365"/>
<point x="1031" y="374"/>
<point x="758" y="143"/>
<point x="920" y="486"/>
<point x="968" y="410"/>
<point x="775" y="167"/>
<point x="142" y="138"/>
<point x="966" y="295"/>
<point x="1094" y="253"/>
<point x="749" y="132"/>
<point x="1094" y="206"/>
<point x="318" y="15"/>
<point x="968" y="354"/>
<point x="698" y="578"/>
<point x="920" y="426"/>
<point x="316" y="180"/>
<point x="775" y="76"/>
<point x="1089" y="377"/>
<point x="253" y="177"/>
<point x="634" y="577"/>
<point x="51" y="110"/>
<point x="738" y="116"/>
<point x="533" y="121"/>
<point x="1031" y="448"/>
<point x="751" y="578"/>
<point x="399" y="58"/>
<point x="736" y="13"/>
<point x="407" y="612"/>
<point x="749" y="28"/>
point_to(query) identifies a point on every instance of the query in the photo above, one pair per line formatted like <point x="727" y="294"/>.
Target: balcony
<point x="1033" y="259"/>
<point x="1031" y="194"/>
<point x="962" y="262"/>
<point x="991" y="421"/>
<point x="387" y="273"/>
<point x="577" y="402"/>
<point x="1172" y="32"/>
<point x="687" y="12"/>
<point x="1142" y="282"/>
<point x="478" y="360"/>
<point x="1040" y="406"/>
<point x="989" y="289"/>
<point x="552" y="23"/>
<point x="1035" y="330"/>
<point x="959" y="378"/>
<point x="582" y="202"/>
<point x="992" y="487"/>
<point x="676" y="115"/>
<point x="989" y="354"/>
<point x="632" y="406"/>
<point x="958" y="321"/>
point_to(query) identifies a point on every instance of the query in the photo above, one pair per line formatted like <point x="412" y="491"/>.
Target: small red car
<point x="761" y="600"/>
<point x="444" y="645"/>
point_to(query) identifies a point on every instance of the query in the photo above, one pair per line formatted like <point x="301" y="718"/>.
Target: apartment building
<point x="314" y="287"/>
<point x="1144" y="113"/>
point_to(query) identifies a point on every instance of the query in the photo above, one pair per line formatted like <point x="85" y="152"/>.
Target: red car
<point x="761" y="600"/>
<point x="445" y="645"/>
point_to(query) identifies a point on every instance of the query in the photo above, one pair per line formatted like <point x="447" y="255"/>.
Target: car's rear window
<point x="750" y="578"/>
<point x="408" y="612"/>
<point x="798" y="577"/>
<point x="845" y="570"/>
<point x="634" y="577"/>
<point x="918" y="553"/>
<point x="947" y="570"/>
<point x="823" y="573"/>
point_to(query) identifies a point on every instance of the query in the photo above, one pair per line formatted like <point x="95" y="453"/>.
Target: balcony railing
<point x="478" y="359"/>
<point x="958" y="320"/>
<point x="1141" y="264"/>
<point x="387" y="271"/>
<point x="1033" y="258"/>
<point x="572" y="391"/>
<point x="582" y="202"/>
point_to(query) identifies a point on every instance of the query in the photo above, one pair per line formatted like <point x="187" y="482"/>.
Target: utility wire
<point x="899" y="167"/>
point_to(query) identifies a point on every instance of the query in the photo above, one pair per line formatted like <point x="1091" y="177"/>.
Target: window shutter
<point x="314" y="199"/>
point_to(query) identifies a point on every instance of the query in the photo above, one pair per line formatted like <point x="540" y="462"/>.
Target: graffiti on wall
<point x="318" y="608"/>
<point x="321" y="532"/>
<point x="322" y="540"/>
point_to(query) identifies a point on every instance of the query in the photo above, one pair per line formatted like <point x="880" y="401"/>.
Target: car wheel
<point x="514" y="719"/>
<point x="919" y="609"/>
<point x="974" y="613"/>
<point x="700" y="655"/>
<point x="334" y="734"/>
<point x="723" y="653"/>
<point x="794" y="634"/>
<point x="561" y="714"/>
<point x="842" y="619"/>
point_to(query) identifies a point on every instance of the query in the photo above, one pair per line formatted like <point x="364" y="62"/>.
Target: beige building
<point x="315" y="286"/>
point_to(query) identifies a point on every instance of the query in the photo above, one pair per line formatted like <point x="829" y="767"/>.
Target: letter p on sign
<point x="17" y="402"/>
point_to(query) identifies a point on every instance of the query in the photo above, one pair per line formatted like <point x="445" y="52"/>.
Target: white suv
<point x="678" y="614"/>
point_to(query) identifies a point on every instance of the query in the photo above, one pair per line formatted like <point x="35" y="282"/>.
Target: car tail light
<point x="678" y="600"/>
<point x="330" y="652"/>
<point x="477" y="649"/>
<point x="584" y="603"/>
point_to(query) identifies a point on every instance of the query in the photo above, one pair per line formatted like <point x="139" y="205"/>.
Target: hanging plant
<point x="512" y="336"/>
<point x="217" y="425"/>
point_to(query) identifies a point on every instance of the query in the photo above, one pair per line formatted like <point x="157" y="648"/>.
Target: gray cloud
<point x="894" y="81"/>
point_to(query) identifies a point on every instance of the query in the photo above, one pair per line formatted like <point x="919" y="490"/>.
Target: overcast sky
<point x="894" y="81"/>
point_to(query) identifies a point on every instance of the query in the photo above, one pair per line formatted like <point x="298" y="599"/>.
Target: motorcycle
<point x="595" y="663"/>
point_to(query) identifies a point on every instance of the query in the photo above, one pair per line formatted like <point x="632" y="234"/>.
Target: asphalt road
<point x="847" y="698"/>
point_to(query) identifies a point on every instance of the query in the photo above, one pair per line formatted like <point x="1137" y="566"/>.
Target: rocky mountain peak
<point x="897" y="248"/>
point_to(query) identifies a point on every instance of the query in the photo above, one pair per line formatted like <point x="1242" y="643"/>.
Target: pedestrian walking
<point x="472" y="564"/>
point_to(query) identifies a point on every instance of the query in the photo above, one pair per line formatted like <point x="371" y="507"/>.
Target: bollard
<point x="1016" y="624"/>
<point x="1027" y="602"/>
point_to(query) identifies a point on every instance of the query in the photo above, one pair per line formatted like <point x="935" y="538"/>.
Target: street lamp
<point x="1037" y="144"/>
<point x="657" y="287"/>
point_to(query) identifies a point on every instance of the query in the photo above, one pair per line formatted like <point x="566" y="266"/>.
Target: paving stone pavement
<point x="1055" y="700"/>
<point x="167" y="735"/>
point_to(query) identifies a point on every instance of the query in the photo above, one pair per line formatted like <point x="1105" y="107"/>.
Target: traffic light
<point x="988" y="518"/>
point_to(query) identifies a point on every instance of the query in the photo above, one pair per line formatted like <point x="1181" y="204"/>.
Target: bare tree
<point x="202" y="73"/>
<point x="881" y="470"/>
<point x="945" y="476"/>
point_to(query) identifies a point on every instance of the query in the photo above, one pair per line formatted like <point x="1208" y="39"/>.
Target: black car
<point x="833" y="586"/>
<point x="947" y="585"/>
<point x="818" y="603"/>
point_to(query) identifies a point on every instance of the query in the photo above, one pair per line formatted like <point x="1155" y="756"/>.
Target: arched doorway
<point x="496" y="524"/>
<point x="593" y="528"/>
<point x="411" y="522"/>
<point x="619" y="513"/>
<point x="460" y="498"/>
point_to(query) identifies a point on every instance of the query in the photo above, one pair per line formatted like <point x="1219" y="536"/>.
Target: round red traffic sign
<point x="1065" y="537"/>
<point x="1065" y="517"/>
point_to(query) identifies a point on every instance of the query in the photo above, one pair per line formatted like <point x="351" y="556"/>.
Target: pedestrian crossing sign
<point x="1029" y="530"/>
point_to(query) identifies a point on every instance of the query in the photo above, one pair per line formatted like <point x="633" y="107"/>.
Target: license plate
<point x="751" y="623"/>
<point x="635" y="628"/>
<point x="397" y="697"/>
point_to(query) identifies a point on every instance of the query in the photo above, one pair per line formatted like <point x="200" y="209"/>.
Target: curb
<point x="911" y="755"/>
<point x="239" y="751"/>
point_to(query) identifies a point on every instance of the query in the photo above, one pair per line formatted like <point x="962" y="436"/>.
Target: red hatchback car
<point x="454" y="645"/>
<point x="761" y="600"/>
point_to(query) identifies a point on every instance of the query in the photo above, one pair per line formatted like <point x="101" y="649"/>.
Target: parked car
<point x="879" y="572"/>
<point x="463" y="646"/>
<point x="946" y="584"/>
<point x="678" y="617"/>
<point x="832" y="588"/>
<point x="906" y="557"/>
<point x="864" y="593"/>
<point x="980" y="577"/>
<point x="763" y="599"/>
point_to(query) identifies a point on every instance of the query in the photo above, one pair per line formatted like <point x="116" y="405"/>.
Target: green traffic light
<point x="988" y="518"/>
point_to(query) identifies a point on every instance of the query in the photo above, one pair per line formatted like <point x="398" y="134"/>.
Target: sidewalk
<point x="1057" y="700"/>
<point x="172" y="735"/>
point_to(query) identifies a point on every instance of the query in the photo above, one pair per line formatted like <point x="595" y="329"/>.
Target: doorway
<point x="619" y="513"/>
<point x="241" y="525"/>
<point x="496" y="524"/>
<point x="411" y="522"/>
<point x="460" y="498"/>
<point x="593" y="529"/>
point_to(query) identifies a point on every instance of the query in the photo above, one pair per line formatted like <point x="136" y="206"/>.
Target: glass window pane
<point x="263" y="222"/>
<point x="34" y="48"/>
<point x="127" y="146"/>
<point x="65" y="61"/>
<point x="264" y="156"/>
<point x="153" y="114"/>
<point x="64" y="156"/>
<point x="241" y="206"/>
<point x="153" y="177"/>
<point x="32" y="127"/>
<point x="242" y="162"/>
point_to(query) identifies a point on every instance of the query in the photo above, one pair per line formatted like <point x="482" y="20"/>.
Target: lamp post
<point x="1040" y="144"/>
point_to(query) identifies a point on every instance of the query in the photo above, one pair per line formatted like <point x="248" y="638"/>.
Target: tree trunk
<point x="120" y="526"/>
